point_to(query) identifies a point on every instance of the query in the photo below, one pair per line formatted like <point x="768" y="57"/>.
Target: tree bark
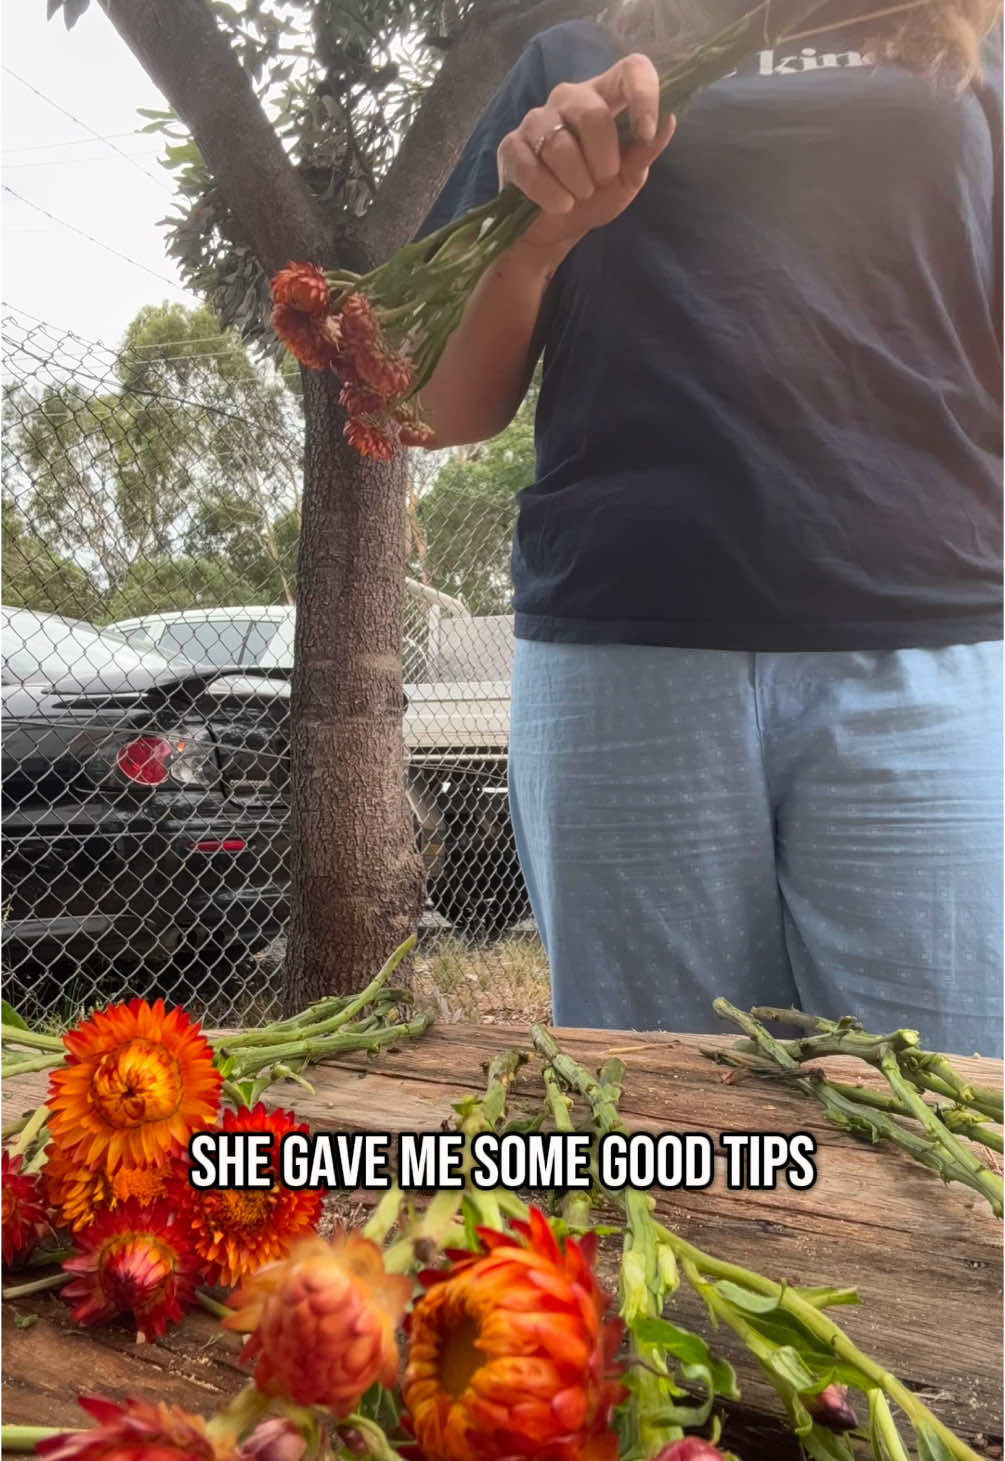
<point x="357" y="881"/>
<point x="356" y="890"/>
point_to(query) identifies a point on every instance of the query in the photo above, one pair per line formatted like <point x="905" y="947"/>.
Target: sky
<point x="56" y="164"/>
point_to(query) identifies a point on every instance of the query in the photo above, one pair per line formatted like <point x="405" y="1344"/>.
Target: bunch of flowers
<point x="505" y="1347"/>
<point x="109" y="1183"/>
<point x="383" y="333"/>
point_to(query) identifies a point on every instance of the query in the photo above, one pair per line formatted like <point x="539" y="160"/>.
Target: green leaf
<point x="746" y="1299"/>
<point x="10" y="1016"/>
<point x="691" y="1350"/>
<point x="787" y="1364"/>
<point x="823" y="1444"/>
<point x="931" y="1446"/>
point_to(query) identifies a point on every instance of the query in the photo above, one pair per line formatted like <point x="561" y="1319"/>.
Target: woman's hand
<point x="566" y="156"/>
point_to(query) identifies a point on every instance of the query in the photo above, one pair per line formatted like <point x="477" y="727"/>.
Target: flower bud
<point x="274" y="1440"/>
<point x="831" y="1408"/>
<point x="691" y="1448"/>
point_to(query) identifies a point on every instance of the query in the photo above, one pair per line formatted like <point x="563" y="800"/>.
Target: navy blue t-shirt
<point x="770" y="416"/>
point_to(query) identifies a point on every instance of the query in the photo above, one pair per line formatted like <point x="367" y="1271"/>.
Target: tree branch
<point x="183" y="50"/>
<point x="480" y="55"/>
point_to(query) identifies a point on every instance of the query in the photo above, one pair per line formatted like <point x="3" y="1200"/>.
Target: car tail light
<point x="149" y="760"/>
<point x="225" y="844"/>
<point x="144" y="760"/>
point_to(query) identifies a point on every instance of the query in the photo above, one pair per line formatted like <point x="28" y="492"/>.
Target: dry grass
<point x="499" y="983"/>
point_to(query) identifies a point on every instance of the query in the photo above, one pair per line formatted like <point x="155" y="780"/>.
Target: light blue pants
<point x="823" y="830"/>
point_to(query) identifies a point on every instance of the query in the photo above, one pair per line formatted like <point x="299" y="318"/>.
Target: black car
<point x="141" y="824"/>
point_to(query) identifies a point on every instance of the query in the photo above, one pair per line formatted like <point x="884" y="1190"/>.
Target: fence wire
<point x="150" y="519"/>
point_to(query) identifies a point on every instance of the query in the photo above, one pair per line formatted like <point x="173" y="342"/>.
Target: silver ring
<point x="539" y="144"/>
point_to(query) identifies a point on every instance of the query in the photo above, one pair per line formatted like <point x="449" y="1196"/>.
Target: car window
<point x="209" y="642"/>
<point x="260" y="636"/>
<point x="45" y="647"/>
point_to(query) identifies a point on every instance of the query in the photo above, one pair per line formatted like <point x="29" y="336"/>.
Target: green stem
<point x="259" y="1041"/>
<point x="31" y="1130"/>
<point x="37" y="1286"/>
<point x="241" y="1416"/>
<point x="851" y="1115"/>
<point x="14" y="1035"/>
<point x="933" y="1071"/>
<point x="981" y="1177"/>
<point x="30" y="1065"/>
<point x="212" y="1306"/>
<point x="377" y="1443"/>
<point x="250" y="1061"/>
<point x="22" y="1440"/>
<point x="699" y="1266"/>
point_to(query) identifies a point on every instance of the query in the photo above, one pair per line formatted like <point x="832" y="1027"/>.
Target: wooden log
<point x="925" y="1258"/>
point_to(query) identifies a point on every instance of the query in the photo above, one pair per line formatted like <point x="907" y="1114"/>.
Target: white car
<point x="254" y="636"/>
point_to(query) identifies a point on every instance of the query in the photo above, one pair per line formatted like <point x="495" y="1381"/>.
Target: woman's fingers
<point x="564" y="152"/>
<point x="520" y="165"/>
<point x="633" y="85"/>
<point x="640" y="156"/>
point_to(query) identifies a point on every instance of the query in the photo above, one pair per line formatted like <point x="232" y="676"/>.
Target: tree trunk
<point x="357" y="883"/>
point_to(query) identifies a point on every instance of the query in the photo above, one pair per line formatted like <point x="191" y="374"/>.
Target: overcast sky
<point x="57" y="165"/>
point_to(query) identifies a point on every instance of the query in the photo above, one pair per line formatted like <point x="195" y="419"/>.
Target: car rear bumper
<point x="143" y="892"/>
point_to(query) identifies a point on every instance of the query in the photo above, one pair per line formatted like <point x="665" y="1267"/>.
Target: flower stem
<point x="212" y="1306"/>
<point x="22" y="1440"/>
<point x="33" y="1039"/>
<point x="36" y="1286"/>
<point x="699" y="1267"/>
<point x="30" y="1065"/>
<point x="30" y="1131"/>
<point x="280" y="1034"/>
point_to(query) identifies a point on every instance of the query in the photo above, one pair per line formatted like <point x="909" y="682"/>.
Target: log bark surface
<point x="925" y="1258"/>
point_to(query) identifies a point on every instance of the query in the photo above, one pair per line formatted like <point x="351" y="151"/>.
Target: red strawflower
<point x="134" y="1261"/>
<point x="303" y="287"/>
<point x="359" y="322"/>
<point x="135" y="1430"/>
<point x="359" y="400"/>
<point x="235" y="1231"/>
<point x="387" y="371"/>
<point x="23" y="1210"/>
<point x="369" y="439"/>
<point x="416" y="433"/>
<point x="313" y="339"/>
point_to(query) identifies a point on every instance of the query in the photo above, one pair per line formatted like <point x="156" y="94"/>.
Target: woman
<point x="756" y="723"/>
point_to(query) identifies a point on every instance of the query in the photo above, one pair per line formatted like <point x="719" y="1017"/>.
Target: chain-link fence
<point x="150" y="522"/>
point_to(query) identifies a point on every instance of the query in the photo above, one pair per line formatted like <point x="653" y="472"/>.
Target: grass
<point x="499" y="983"/>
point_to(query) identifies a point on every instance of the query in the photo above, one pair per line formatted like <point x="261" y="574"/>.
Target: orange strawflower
<point x="133" y="1261"/>
<point x="322" y="1322"/>
<point x="313" y="339"/>
<point x="76" y="1193"/>
<point x="137" y="1080"/>
<point x="303" y="287"/>
<point x="23" y="1210"/>
<point x="510" y="1355"/>
<point x="135" y="1430"/>
<point x="234" y="1231"/>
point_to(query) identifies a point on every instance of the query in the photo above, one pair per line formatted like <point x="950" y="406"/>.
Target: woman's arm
<point x="566" y="157"/>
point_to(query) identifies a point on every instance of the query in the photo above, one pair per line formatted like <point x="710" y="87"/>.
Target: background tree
<point x="322" y="130"/>
<point x="466" y="516"/>
<point x="172" y="482"/>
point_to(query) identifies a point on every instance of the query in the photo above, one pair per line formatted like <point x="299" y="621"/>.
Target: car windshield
<point x="45" y="647"/>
